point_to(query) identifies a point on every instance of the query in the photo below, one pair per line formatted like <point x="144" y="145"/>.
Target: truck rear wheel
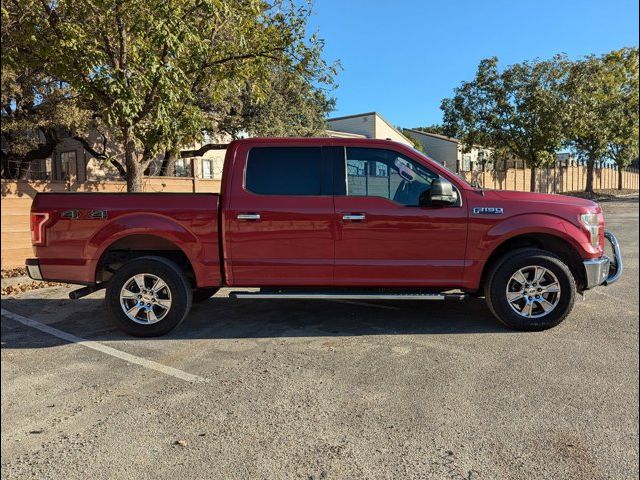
<point x="530" y="290"/>
<point x="148" y="296"/>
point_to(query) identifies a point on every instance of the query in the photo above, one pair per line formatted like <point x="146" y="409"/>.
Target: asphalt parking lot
<point x="325" y="389"/>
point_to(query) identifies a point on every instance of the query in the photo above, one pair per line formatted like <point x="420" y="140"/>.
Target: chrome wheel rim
<point x="533" y="292"/>
<point x="145" y="298"/>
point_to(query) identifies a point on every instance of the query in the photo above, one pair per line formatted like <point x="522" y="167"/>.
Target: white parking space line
<point x="127" y="357"/>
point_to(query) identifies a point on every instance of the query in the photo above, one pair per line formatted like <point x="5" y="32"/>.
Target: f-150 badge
<point x="488" y="211"/>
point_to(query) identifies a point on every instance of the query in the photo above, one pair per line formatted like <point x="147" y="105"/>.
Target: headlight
<point x="591" y="221"/>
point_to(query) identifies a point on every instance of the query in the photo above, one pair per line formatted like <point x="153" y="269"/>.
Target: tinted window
<point x="284" y="171"/>
<point x="384" y="173"/>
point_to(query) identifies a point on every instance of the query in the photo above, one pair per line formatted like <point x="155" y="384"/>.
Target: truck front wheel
<point x="148" y="296"/>
<point x="530" y="290"/>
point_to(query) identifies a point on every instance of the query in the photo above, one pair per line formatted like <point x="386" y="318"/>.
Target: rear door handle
<point x="249" y="217"/>
<point x="354" y="217"/>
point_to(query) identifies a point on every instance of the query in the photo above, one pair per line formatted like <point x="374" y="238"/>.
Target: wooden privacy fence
<point x="17" y="197"/>
<point x="554" y="179"/>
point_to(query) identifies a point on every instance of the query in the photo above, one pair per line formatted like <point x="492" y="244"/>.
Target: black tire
<point x="202" y="294"/>
<point x="500" y="278"/>
<point x="177" y="291"/>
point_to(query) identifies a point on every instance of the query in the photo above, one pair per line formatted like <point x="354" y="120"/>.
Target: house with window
<point x="72" y="162"/>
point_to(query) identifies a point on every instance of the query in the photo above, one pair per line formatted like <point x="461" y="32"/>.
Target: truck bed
<point x="83" y="227"/>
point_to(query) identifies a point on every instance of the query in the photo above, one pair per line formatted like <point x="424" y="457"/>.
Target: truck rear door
<point x="280" y="217"/>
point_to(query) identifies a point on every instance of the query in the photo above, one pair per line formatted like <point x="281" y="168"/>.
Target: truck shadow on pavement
<point x="224" y="318"/>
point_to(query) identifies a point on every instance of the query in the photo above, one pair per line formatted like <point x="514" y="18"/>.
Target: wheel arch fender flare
<point x="530" y="224"/>
<point x="149" y="224"/>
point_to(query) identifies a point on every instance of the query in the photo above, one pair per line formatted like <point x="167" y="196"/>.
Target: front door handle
<point x="354" y="217"/>
<point x="249" y="217"/>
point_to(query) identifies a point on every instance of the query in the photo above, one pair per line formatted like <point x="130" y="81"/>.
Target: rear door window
<point x="286" y="171"/>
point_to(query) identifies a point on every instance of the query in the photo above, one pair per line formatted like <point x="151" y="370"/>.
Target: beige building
<point x="450" y="152"/>
<point x="366" y="125"/>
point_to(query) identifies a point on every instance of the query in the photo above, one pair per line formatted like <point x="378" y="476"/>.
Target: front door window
<point x="383" y="173"/>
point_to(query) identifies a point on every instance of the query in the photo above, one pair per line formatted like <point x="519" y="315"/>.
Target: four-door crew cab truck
<point x="325" y="218"/>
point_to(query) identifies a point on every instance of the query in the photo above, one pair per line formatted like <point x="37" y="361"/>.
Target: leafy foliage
<point x="159" y="73"/>
<point x="533" y="108"/>
<point x="436" y="128"/>
<point x="519" y="109"/>
<point x="294" y="107"/>
<point x="414" y="141"/>
<point x="35" y="107"/>
<point x="602" y="105"/>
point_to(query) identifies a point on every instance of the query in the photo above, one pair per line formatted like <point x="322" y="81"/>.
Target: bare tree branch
<point x="101" y="155"/>
<point x="202" y="150"/>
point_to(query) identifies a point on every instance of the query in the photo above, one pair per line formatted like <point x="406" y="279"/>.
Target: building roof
<point x="434" y="135"/>
<point x="353" y="116"/>
<point x="369" y="114"/>
<point x="338" y="134"/>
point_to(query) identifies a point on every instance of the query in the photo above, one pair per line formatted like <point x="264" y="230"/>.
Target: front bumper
<point x="604" y="270"/>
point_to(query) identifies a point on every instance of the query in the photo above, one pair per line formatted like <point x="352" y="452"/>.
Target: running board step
<point x="349" y="296"/>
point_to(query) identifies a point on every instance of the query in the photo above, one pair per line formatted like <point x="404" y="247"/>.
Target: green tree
<point x="414" y="141"/>
<point x="153" y="71"/>
<point x="36" y="109"/>
<point x="32" y="106"/>
<point x="602" y="103"/>
<point x="519" y="109"/>
<point x="623" y="153"/>
<point x="295" y="106"/>
<point x="623" y="145"/>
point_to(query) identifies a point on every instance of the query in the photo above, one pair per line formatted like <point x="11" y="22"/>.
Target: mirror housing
<point x="441" y="194"/>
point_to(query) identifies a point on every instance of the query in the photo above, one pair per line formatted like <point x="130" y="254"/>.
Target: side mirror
<point x="441" y="194"/>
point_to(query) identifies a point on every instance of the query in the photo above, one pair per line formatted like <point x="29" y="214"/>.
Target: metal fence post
<point x="193" y="174"/>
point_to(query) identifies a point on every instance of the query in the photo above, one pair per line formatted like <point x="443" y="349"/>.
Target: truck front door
<point x="383" y="237"/>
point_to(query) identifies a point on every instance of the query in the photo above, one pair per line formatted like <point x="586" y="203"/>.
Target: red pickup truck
<point x="319" y="218"/>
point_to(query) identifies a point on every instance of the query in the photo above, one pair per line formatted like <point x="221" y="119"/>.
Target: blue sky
<point x="400" y="58"/>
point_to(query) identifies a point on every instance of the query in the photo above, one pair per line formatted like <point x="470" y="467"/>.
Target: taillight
<point x="38" y="221"/>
